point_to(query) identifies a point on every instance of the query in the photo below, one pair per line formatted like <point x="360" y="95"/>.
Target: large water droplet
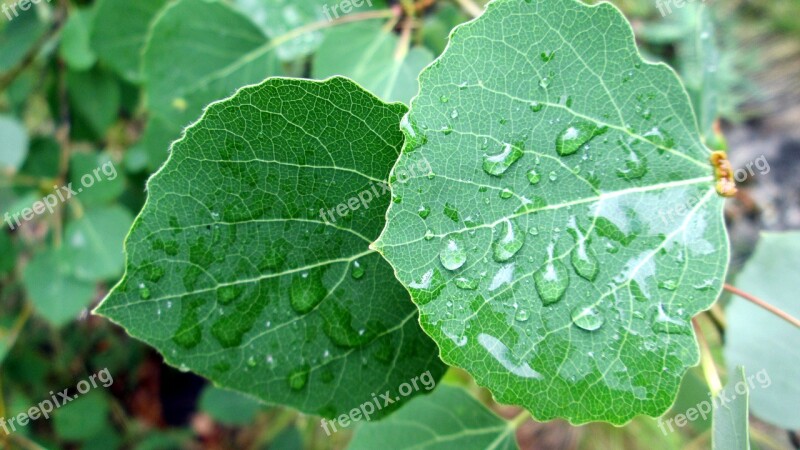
<point x="469" y="284"/>
<point x="498" y="164"/>
<point x="307" y="291"/>
<point x="521" y="315"/>
<point x="552" y="280"/>
<point x="671" y="322"/>
<point x="508" y="243"/>
<point x="587" y="318"/>
<point x="583" y="258"/>
<point x="576" y="136"/>
<point x="452" y="255"/>
<point x="635" y="164"/>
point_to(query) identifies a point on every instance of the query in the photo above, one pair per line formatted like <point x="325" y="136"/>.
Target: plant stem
<point x="782" y="314"/>
<point x="707" y="361"/>
<point x="322" y="24"/>
<point x="472" y="8"/>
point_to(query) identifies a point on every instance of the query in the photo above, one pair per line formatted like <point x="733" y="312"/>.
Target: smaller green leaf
<point x="228" y="407"/>
<point x="15" y="143"/>
<point x="119" y="31"/>
<point x="82" y="418"/>
<point x="730" y="420"/>
<point x="368" y="53"/>
<point x="449" y="418"/>
<point x="771" y="274"/>
<point x="105" y="186"/>
<point x="99" y="109"/>
<point x="75" y="49"/>
<point x="94" y="243"/>
<point x="18" y="37"/>
<point x="54" y="292"/>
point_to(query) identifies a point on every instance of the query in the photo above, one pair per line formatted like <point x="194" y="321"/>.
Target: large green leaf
<point x="119" y="31"/>
<point x="449" y="418"/>
<point x="55" y="293"/>
<point x="193" y="58"/>
<point x="569" y="228"/>
<point x="771" y="274"/>
<point x="94" y="243"/>
<point x="236" y="270"/>
<point x="368" y="53"/>
<point x="731" y="416"/>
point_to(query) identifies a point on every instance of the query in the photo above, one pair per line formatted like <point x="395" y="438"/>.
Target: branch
<point x="782" y="314"/>
<point x="472" y="8"/>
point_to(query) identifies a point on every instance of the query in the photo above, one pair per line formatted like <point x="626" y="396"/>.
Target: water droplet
<point x="587" y="318"/>
<point x="506" y="193"/>
<point x="498" y="164"/>
<point x="667" y="322"/>
<point x="635" y="164"/>
<point x="576" y="136"/>
<point x="669" y="284"/>
<point x="469" y="284"/>
<point x="251" y="361"/>
<point x="553" y="176"/>
<point x="544" y="83"/>
<point x="452" y="255"/>
<point x="307" y="291"/>
<point x="659" y="138"/>
<point x="508" y="243"/>
<point x="533" y="176"/>
<point x="424" y="211"/>
<point x="444" y="99"/>
<point x="552" y="280"/>
<point x="536" y="106"/>
<point x="547" y="56"/>
<point x="298" y="378"/>
<point x="428" y="235"/>
<point x="144" y="292"/>
<point x="521" y="315"/>
<point x="454" y="114"/>
<point x="534" y="231"/>
<point x="357" y="271"/>
<point x="705" y="284"/>
<point x="584" y="260"/>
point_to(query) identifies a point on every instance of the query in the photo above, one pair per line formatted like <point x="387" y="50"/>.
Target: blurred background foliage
<point x="75" y="96"/>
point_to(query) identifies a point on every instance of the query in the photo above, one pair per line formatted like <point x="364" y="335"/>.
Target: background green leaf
<point x="15" y="143"/>
<point x="731" y="424"/>
<point x="569" y="228"/>
<point x="762" y="342"/>
<point x="233" y="273"/>
<point x="55" y="293"/>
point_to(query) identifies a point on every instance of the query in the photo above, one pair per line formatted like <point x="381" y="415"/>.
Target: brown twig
<point x="782" y="314"/>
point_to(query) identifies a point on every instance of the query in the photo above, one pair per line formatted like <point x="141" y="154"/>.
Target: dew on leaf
<point x="424" y="211"/>
<point x="576" y="136"/>
<point x="508" y="242"/>
<point x="357" y="271"/>
<point x="452" y="254"/>
<point x="521" y="315"/>
<point x="587" y="318"/>
<point x="298" y="378"/>
<point x="533" y="176"/>
<point x="506" y="193"/>
<point x="468" y="284"/>
<point x="671" y="323"/>
<point x="552" y="280"/>
<point x="536" y="106"/>
<point x="583" y="258"/>
<point x="498" y="164"/>
<point x="307" y="291"/>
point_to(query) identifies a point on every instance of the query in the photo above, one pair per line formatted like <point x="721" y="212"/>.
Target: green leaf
<point x="762" y="342"/>
<point x="75" y="49"/>
<point x="15" y="143"/>
<point x="731" y="429"/>
<point x="99" y="110"/>
<point x="118" y="34"/>
<point x="94" y="243"/>
<point x="569" y="227"/>
<point x="18" y="37"/>
<point x="191" y="59"/>
<point x="55" y="293"/>
<point x="106" y="185"/>
<point x="8" y="253"/>
<point x="449" y="418"/>
<point x="367" y="52"/>
<point x="82" y="418"/>
<point x="237" y="270"/>
<point x="228" y="407"/>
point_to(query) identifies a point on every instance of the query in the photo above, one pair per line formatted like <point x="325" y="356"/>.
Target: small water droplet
<point x="671" y="323"/>
<point x="298" y="378"/>
<point x="444" y="99"/>
<point x="469" y="284"/>
<point x="536" y="106"/>
<point x="498" y="164"/>
<point x="424" y="211"/>
<point x="428" y="235"/>
<point x="521" y="315"/>
<point x="144" y="292"/>
<point x="452" y="254"/>
<point x="669" y="284"/>
<point x="583" y="258"/>
<point x="587" y="318"/>
<point x="454" y="114"/>
<point x="251" y="361"/>
<point x="544" y="83"/>
<point x="357" y="271"/>
<point x="533" y="176"/>
<point x="553" y="176"/>
<point x="506" y="193"/>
